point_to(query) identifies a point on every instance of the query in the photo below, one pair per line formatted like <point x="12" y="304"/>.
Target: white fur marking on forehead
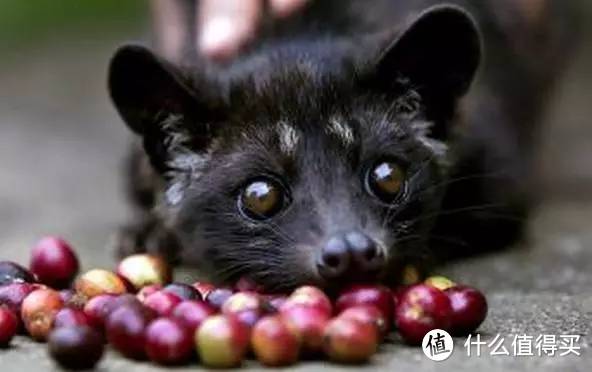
<point x="341" y="130"/>
<point x="288" y="137"/>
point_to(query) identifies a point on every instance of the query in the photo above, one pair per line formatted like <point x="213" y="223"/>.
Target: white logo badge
<point x="437" y="345"/>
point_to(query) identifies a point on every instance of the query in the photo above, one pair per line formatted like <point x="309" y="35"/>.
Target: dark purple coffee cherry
<point x="11" y="272"/>
<point x="184" y="291"/>
<point x="216" y="297"/>
<point x="68" y="317"/>
<point x="79" y="347"/>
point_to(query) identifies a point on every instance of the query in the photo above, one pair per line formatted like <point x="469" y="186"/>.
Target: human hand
<point x="226" y="26"/>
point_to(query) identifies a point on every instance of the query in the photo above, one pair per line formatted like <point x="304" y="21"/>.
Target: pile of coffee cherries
<point x="142" y="314"/>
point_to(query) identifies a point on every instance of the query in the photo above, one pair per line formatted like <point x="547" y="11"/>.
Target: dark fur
<point x="208" y="129"/>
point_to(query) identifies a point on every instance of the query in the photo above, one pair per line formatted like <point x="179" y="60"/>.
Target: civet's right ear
<point x="157" y="104"/>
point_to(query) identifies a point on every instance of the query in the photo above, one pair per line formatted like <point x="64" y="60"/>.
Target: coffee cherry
<point x="162" y="302"/>
<point x="204" y="288"/>
<point x="98" y="308"/>
<point x="192" y="313"/>
<point x="222" y="341"/>
<point x="68" y="317"/>
<point x="147" y="291"/>
<point x="368" y="314"/>
<point x="274" y="343"/>
<point x="247" y="307"/>
<point x="96" y="282"/>
<point x="168" y="342"/>
<point x="217" y="296"/>
<point x="469" y="309"/>
<point x="183" y="291"/>
<point x="309" y="296"/>
<point x="126" y="330"/>
<point x="440" y="282"/>
<point x="38" y="312"/>
<point x="421" y="309"/>
<point x="308" y="290"/>
<point x="8" y="326"/>
<point x="11" y="272"/>
<point x="13" y="295"/>
<point x="308" y="323"/>
<point x="365" y="294"/>
<point x="54" y="262"/>
<point x="241" y="301"/>
<point x="347" y="340"/>
<point x="76" y="348"/>
<point x="143" y="269"/>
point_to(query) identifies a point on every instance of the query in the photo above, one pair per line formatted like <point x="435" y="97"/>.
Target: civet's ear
<point x="438" y="53"/>
<point x="155" y="103"/>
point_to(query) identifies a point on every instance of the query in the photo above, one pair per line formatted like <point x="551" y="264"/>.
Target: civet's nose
<point x="350" y="254"/>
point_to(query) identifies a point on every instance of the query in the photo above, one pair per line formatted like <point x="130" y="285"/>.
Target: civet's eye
<point x="386" y="181"/>
<point x="262" y="198"/>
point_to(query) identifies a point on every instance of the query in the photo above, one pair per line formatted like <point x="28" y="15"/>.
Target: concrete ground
<point x="60" y="149"/>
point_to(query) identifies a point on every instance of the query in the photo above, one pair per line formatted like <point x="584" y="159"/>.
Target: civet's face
<point x="302" y="175"/>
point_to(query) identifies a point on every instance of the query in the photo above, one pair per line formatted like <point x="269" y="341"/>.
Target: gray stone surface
<point x="60" y="150"/>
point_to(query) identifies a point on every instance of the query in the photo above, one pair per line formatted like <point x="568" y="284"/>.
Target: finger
<point x="170" y="26"/>
<point x="284" y="8"/>
<point x="224" y="26"/>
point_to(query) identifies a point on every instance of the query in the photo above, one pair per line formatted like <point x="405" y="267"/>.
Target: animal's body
<point x="353" y="139"/>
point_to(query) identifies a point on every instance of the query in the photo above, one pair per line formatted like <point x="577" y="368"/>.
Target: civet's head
<point x="302" y="167"/>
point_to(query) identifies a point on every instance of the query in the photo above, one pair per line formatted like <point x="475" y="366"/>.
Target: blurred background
<point x="62" y="144"/>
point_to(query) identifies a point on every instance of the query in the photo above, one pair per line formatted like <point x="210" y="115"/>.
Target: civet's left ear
<point x="438" y="53"/>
